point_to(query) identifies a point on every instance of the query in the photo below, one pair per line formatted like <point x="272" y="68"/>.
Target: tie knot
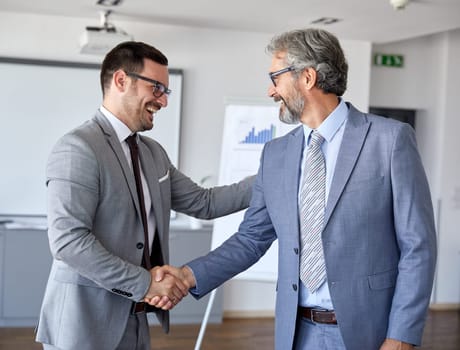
<point x="316" y="138"/>
<point x="131" y="141"/>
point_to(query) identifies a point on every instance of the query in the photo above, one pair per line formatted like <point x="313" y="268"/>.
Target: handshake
<point x="168" y="286"/>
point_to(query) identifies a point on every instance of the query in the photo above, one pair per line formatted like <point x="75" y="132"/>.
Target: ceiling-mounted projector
<point x="399" y="4"/>
<point x="100" y="40"/>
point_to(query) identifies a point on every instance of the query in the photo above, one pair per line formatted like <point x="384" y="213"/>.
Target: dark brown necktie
<point x="134" y="150"/>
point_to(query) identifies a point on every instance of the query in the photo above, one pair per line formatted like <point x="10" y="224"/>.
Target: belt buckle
<point x="313" y="310"/>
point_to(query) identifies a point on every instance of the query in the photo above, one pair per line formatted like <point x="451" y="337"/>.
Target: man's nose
<point x="271" y="90"/>
<point x="163" y="100"/>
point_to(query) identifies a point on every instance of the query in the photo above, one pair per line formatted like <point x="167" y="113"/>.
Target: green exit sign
<point x="388" y="60"/>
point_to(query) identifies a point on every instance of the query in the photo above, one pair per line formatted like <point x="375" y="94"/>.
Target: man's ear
<point x="309" y="78"/>
<point x="120" y="80"/>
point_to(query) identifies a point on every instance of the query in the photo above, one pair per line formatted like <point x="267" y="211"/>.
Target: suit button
<point x="296" y="251"/>
<point x="140" y="245"/>
<point x="294" y="286"/>
<point x="129" y="295"/>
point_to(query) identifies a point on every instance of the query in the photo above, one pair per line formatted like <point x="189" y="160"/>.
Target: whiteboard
<point x="247" y="127"/>
<point x="40" y="102"/>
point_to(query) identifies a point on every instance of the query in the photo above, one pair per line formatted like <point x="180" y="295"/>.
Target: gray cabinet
<point x="25" y="261"/>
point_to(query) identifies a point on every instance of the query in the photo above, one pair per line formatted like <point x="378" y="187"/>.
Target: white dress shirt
<point x="124" y="132"/>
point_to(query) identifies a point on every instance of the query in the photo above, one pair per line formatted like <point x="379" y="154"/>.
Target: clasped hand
<point x="168" y="286"/>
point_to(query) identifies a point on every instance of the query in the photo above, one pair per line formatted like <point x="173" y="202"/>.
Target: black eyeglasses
<point x="158" y="88"/>
<point x="273" y="75"/>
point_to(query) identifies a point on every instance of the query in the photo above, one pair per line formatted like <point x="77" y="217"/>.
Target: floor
<point x="442" y="332"/>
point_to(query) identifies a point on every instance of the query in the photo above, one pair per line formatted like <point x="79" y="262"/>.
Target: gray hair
<point x="318" y="49"/>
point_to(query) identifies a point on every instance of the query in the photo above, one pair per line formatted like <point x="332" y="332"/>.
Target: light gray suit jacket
<point x="94" y="228"/>
<point x="378" y="239"/>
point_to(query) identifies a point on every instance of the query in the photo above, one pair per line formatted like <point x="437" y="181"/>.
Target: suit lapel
<point x="115" y="145"/>
<point x="294" y="150"/>
<point x="151" y="176"/>
<point x="353" y="140"/>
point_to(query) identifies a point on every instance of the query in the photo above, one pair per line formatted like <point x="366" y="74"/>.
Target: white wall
<point x="448" y="286"/>
<point x="428" y="83"/>
<point x="217" y="64"/>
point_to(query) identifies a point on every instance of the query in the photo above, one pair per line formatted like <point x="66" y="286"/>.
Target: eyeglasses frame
<point x="273" y="75"/>
<point x="157" y="86"/>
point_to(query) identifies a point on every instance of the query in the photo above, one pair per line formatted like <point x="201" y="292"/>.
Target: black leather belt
<point x="317" y="315"/>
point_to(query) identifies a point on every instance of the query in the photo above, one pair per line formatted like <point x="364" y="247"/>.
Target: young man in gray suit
<point x="110" y="192"/>
<point x="347" y="198"/>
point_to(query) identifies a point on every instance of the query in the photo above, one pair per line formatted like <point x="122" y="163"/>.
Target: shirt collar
<point x="120" y="128"/>
<point x="331" y="124"/>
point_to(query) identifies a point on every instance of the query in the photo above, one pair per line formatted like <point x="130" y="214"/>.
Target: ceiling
<point x="370" y="20"/>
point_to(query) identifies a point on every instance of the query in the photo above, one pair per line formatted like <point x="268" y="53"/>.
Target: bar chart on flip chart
<point x="261" y="136"/>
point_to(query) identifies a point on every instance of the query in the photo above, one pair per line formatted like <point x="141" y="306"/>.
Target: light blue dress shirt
<point x="332" y="130"/>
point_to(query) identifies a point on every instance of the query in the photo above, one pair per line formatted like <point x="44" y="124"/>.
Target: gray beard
<point x="292" y="113"/>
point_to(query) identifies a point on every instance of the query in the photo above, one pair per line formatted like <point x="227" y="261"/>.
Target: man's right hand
<point x="168" y="289"/>
<point x="164" y="273"/>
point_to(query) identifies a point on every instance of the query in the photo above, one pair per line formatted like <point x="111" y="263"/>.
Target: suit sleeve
<point x="243" y="249"/>
<point x="73" y="197"/>
<point x="208" y="203"/>
<point x="416" y="237"/>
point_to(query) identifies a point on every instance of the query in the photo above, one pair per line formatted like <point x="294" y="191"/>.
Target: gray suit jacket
<point x="94" y="226"/>
<point x="378" y="239"/>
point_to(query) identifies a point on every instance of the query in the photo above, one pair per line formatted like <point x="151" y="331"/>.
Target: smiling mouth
<point x="151" y="109"/>
<point x="279" y="100"/>
<point x="280" y="103"/>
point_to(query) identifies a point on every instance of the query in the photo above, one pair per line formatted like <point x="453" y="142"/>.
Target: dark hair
<point x="318" y="49"/>
<point x="128" y="56"/>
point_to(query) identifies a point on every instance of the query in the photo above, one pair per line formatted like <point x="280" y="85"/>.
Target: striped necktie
<point x="312" y="204"/>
